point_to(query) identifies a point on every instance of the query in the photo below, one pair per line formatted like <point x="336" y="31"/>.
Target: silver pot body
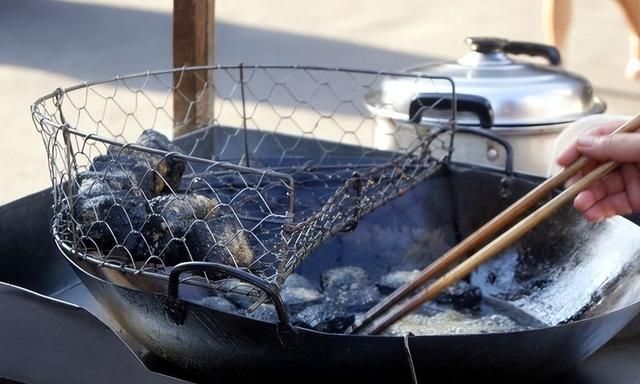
<point x="532" y="148"/>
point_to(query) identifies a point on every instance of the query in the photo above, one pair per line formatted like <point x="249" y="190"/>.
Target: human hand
<point x="617" y="193"/>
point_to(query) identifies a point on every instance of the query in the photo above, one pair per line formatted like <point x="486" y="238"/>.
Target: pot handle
<point x="477" y="105"/>
<point x="176" y="310"/>
<point x="549" y="52"/>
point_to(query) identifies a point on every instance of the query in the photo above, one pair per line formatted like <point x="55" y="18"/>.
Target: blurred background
<point x="45" y="44"/>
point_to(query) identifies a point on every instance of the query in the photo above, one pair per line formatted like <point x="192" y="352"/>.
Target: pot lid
<point x="515" y="93"/>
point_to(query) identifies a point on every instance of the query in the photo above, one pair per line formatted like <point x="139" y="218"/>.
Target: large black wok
<point x="577" y="279"/>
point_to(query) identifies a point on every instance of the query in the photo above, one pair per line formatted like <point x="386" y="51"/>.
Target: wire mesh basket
<point x="266" y="163"/>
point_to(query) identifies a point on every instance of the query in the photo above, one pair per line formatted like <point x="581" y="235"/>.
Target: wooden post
<point x="193" y="44"/>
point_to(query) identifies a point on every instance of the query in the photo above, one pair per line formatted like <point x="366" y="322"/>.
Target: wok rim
<point x="216" y="312"/>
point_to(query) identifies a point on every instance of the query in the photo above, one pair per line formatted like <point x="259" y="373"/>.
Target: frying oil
<point x="491" y="316"/>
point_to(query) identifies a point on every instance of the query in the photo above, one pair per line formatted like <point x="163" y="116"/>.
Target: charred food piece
<point x="461" y="295"/>
<point x="94" y="184"/>
<point x="117" y="173"/>
<point x="358" y="299"/>
<point x="189" y="227"/>
<point x="181" y="210"/>
<point x="344" y="278"/>
<point x="325" y="317"/>
<point x="110" y="219"/>
<point x="172" y="216"/>
<point x="167" y="169"/>
<point x="226" y="241"/>
<point x="298" y="293"/>
<point x="230" y="245"/>
<point x="349" y="288"/>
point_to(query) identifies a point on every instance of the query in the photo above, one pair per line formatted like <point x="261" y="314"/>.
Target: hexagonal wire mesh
<point x="284" y="158"/>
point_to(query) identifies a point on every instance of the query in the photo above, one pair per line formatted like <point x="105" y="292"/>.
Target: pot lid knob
<point x="496" y="45"/>
<point x="486" y="44"/>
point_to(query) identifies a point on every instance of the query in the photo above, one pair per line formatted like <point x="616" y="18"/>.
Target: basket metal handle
<point x="176" y="310"/>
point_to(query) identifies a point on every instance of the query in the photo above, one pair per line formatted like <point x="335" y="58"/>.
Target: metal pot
<point x="525" y="103"/>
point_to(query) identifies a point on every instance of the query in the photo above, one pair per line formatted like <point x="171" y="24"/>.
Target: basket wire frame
<point x="285" y="161"/>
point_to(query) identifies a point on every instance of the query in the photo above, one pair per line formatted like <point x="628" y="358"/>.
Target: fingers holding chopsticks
<point x="617" y="193"/>
<point x="572" y="153"/>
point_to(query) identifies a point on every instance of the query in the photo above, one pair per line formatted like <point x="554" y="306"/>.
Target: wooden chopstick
<point x="473" y="241"/>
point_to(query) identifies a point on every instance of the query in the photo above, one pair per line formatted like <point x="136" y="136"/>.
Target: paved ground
<point x="46" y="43"/>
